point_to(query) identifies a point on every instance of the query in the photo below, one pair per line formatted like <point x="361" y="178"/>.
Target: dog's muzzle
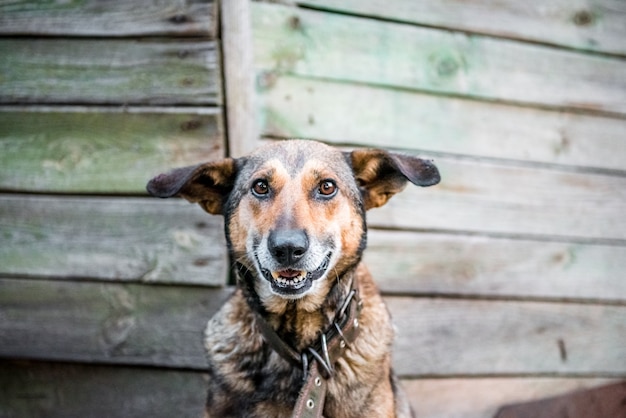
<point x="292" y="282"/>
<point x="289" y="267"/>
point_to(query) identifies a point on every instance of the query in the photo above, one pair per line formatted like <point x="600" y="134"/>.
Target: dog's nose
<point x="288" y="246"/>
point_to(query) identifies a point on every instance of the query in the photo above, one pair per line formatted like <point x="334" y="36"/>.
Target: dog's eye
<point x="260" y="188"/>
<point x="327" y="188"/>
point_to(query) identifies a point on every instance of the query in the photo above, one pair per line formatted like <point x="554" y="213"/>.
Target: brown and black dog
<point x="295" y="227"/>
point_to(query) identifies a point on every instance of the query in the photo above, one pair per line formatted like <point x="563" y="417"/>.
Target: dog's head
<point x="295" y="210"/>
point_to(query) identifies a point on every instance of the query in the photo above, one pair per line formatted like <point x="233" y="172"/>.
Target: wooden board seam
<point x="191" y="369"/>
<point x="113" y="108"/>
<point x="514" y="375"/>
<point x="506" y="298"/>
<point x="21" y="277"/>
<point x="527" y="237"/>
<point x="441" y="377"/>
<point x="230" y="286"/>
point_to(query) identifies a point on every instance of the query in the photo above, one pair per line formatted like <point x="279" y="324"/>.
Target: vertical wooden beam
<point x="239" y="77"/>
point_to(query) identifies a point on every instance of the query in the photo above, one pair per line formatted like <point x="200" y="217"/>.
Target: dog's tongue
<point x="289" y="273"/>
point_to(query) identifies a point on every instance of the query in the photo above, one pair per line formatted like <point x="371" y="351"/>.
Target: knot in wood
<point x="583" y="18"/>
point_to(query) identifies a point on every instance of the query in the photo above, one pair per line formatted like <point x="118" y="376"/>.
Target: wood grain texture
<point x="127" y="239"/>
<point x="593" y="25"/>
<point x="106" y="323"/>
<point x="32" y="390"/>
<point x="110" y="18"/>
<point x="451" y="337"/>
<point x="239" y="78"/>
<point x="492" y="198"/>
<point x="351" y="114"/>
<point x="348" y="49"/>
<point x="427" y="264"/>
<point x="109" y="71"/>
<point x="482" y="397"/>
<point x="172" y="241"/>
<point x="102" y="150"/>
<point x="151" y="325"/>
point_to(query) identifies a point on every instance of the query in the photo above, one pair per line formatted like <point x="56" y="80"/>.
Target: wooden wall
<point x="505" y="281"/>
<point x="103" y="291"/>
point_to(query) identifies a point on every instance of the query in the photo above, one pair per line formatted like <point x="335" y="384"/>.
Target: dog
<point x="306" y="332"/>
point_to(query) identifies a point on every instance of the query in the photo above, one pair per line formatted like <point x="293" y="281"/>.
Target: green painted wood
<point x="593" y="25"/>
<point x="100" y="150"/>
<point x="106" y="323"/>
<point x="156" y="325"/>
<point x="110" y="18"/>
<point x="109" y="71"/>
<point x="349" y="114"/>
<point x="127" y="239"/>
<point x="497" y="199"/>
<point x="32" y="390"/>
<point x="348" y="49"/>
<point x="441" y="264"/>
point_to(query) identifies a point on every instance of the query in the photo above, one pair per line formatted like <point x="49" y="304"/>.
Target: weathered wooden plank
<point x="239" y="79"/>
<point x="102" y="150"/>
<point x="448" y="337"/>
<point x="482" y="397"/>
<point x="490" y="198"/>
<point x="126" y="239"/>
<point x="170" y="241"/>
<point x="106" y="323"/>
<point x="594" y="25"/>
<point x="138" y="324"/>
<point x="110" y="18"/>
<point x="336" y="47"/>
<point x="352" y="114"/>
<point x="109" y="71"/>
<point x="421" y="263"/>
<point x="31" y="390"/>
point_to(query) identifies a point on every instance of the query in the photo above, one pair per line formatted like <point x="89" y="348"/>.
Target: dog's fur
<point x="295" y="210"/>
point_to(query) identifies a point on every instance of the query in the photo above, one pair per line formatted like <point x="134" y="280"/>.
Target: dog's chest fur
<point x="246" y="372"/>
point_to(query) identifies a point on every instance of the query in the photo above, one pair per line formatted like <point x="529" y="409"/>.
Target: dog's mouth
<point x="291" y="282"/>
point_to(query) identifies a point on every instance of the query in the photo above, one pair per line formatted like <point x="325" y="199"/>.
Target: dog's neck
<point x="298" y="322"/>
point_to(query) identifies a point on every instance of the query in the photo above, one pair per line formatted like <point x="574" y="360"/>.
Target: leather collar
<point x="318" y="360"/>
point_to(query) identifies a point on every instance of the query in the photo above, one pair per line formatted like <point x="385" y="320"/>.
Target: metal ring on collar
<point x="326" y="367"/>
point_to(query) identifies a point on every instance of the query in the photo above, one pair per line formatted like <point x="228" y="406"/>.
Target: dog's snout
<point x="288" y="246"/>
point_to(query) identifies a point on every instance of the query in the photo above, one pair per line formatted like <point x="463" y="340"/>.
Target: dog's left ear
<point x="207" y="184"/>
<point x="381" y="174"/>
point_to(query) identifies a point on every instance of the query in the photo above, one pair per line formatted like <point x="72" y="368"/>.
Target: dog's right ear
<point x="207" y="184"/>
<point x="381" y="174"/>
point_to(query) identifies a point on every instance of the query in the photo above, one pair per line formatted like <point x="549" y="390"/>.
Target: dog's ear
<point x="207" y="184"/>
<point x="381" y="174"/>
